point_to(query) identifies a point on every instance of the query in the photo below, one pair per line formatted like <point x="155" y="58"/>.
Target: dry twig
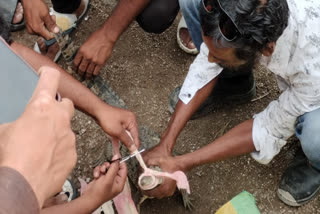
<point x="259" y="98"/>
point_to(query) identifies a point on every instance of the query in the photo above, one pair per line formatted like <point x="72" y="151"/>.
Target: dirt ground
<point x="143" y="70"/>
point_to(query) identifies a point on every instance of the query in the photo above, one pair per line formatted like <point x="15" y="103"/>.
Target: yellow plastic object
<point x="244" y="203"/>
<point x="63" y="23"/>
<point x="227" y="209"/>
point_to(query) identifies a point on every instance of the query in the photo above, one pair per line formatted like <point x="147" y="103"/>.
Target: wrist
<point x="100" y="111"/>
<point x="182" y="163"/>
<point x="108" y="35"/>
<point x="91" y="201"/>
<point x="167" y="142"/>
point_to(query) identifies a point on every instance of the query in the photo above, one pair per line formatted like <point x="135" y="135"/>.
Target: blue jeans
<point x="190" y="11"/>
<point x="308" y="132"/>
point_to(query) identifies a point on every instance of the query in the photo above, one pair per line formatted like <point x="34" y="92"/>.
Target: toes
<point x="53" y="50"/>
<point x="42" y="46"/>
<point x="18" y="14"/>
<point x="186" y="38"/>
<point x="50" y="51"/>
<point x="191" y="45"/>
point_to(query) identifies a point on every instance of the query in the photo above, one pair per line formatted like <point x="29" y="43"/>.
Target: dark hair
<point x="259" y="22"/>
<point x="4" y="30"/>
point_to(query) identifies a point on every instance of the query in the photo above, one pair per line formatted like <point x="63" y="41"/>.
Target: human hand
<point x="40" y="144"/>
<point x="109" y="181"/>
<point x="156" y="152"/>
<point x="168" y="186"/>
<point x="39" y="21"/>
<point x="93" y="54"/>
<point x="116" y="122"/>
<point x="163" y="149"/>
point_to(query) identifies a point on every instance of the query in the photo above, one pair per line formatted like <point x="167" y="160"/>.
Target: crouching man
<point x="235" y="34"/>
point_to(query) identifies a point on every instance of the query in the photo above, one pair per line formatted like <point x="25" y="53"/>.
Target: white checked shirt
<point x="296" y="64"/>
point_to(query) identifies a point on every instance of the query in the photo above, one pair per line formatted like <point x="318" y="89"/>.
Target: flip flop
<point x="7" y="10"/>
<point x="67" y="23"/>
<point x="182" y="24"/>
<point x="50" y="42"/>
<point x="67" y="194"/>
<point x="69" y="189"/>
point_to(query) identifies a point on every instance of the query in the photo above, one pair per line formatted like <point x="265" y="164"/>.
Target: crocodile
<point x="148" y="137"/>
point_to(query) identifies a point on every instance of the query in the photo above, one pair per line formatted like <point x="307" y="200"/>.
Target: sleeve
<point x="201" y="72"/>
<point x="16" y="195"/>
<point x="273" y="126"/>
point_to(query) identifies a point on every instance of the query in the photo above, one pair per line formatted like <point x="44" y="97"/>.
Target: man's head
<point x="4" y="30"/>
<point x="237" y="31"/>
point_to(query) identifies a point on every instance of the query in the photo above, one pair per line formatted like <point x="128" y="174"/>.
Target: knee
<point x="307" y="130"/>
<point x="158" y="16"/>
<point x="188" y="6"/>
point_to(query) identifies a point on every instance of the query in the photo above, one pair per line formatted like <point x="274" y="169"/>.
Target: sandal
<point x="69" y="189"/>
<point x="67" y="23"/>
<point x="7" y="10"/>
<point x="49" y="43"/>
<point x="67" y="194"/>
<point x="182" y="25"/>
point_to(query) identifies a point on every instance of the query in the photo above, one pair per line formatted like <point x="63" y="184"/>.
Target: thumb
<point x="50" y="25"/>
<point x="127" y="140"/>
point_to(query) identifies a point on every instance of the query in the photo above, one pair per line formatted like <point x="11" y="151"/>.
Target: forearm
<point x="183" y="113"/>
<point x="121" y="17"/>
<point x="237" y="141"/>
<point x="81" y="205"/>
<point x="69" y="87"/>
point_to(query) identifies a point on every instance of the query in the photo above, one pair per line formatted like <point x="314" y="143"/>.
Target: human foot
<point x="186" y="38"/>
<point x="18" y="14"/>
<point x="49" y="51"/>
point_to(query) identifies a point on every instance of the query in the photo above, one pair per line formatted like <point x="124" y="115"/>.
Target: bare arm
<point x="114" y="121"/>
<point x="81" y="205"/>
<point x="121" y="17"/>
<point x="110" y="183"/>
<point x="69" y="87"/>
<point x="178" y="121"/>
<point x="94" y="53"/>
<point x="237" y="141"/>
<point x="183" y="113"/>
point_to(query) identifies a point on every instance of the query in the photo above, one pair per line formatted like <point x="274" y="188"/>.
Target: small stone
<point x="82" y="131"/>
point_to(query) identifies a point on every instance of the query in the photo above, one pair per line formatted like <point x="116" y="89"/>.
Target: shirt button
<point x="189" y="95"/>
